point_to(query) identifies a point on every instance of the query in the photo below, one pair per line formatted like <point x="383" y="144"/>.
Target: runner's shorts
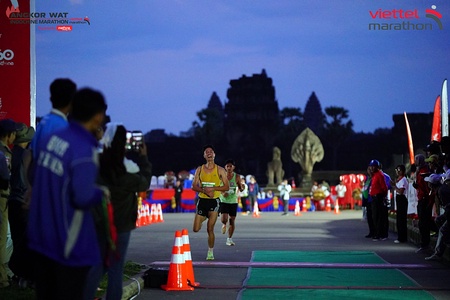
<point x="205" y="205"/>
<point x="228" y="208"/>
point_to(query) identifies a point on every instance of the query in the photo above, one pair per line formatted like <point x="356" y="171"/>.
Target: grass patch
<point x="13" y="292"/>
<point x="130" y="269"/>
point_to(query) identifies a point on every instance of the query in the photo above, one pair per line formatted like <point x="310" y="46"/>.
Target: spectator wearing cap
<point x="21" y="259"/>
<point x="8" y="129"/>
<point x="434" y="164"/>
<point x="61" y="94"/>
<point x="433" y="148"/>
<point x="378" y="191"/>
<point x="442" y="221"/>
<point x="424" y="202"/>
<point x="400" y="186"/>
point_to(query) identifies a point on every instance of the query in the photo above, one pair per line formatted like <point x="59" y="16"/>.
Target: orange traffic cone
<point x="176" y="279"/>
<point x="328" y="207"/>
<point x="143" y="216"/>
<point x="255" y="210"/>
<point x="297" y="209"/>
<point x="153" y="213"/>
<point x="159" y="212"/>
<point x="188" y="259"/>
<point x="148" y="218"/>
<point x="304" y="209"/>
<point x="336" y="207"/>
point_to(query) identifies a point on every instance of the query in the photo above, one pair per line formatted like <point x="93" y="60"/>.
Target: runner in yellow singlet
<point x="210" y="180"/>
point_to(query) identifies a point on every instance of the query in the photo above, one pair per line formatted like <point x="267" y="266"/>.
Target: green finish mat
<point x="327" y="283"/>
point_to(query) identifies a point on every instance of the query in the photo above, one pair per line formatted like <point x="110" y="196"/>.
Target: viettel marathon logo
<point x="405" y="19"/>
<point x="435" y="15"/>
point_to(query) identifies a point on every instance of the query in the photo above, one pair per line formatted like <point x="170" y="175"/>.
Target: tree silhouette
<point x="209" y="128"/>
<point x="336" y="131"/>
<point x="291" y="116"/>
<point x="314" y="117"/>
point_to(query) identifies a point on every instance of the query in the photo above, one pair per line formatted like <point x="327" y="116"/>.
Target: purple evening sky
<point x="158" y="61"/>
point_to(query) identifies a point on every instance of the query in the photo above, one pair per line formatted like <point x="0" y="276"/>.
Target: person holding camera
<point x="124" y="178"/>
<point x="285" y="190"/>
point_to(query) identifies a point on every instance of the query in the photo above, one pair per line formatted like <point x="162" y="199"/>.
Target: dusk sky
<point x="158" y="61"/>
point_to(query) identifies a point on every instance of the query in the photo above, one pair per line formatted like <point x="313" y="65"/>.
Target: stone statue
<point x="307" y="149"/>
<point x="275" y="168"/>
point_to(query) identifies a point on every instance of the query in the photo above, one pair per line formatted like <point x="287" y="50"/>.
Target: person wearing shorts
<point x="210" y="180"/>
<point x="229" y="201"/>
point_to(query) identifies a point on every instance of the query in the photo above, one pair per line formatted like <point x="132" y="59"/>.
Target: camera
<point x="135" y="140"/>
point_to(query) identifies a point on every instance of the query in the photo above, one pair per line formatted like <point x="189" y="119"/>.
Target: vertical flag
<point x="444" y="98"/>
<point x="436" y="128"/>
<point x="410" y="141"/>
<point x="17" y="62"/>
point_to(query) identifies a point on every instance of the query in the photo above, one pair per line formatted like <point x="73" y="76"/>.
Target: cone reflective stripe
<point x="176" y="279"/>
<point x="255" y="210"/>
<point x="328" y="208"/>
<point x="188" y="259"/>
<point x="336" y="207"/>
<point x="148" y="218"/>
<point x="153" y="213"/>
<point x="304" y="206"/>
<point x="297" y="209"/>
<point x="159" y="212"/>
<point x="143" y="217"/>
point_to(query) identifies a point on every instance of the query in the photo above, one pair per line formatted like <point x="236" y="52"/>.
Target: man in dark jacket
<point x="378" y="191"/>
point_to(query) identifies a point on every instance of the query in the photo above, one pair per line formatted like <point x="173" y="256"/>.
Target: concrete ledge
<point x="133" y="287"/>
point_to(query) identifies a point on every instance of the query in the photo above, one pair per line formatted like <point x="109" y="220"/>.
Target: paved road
<point x="313" y="231"/>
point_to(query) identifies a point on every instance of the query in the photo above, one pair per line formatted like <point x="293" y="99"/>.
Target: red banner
<point x="17" y="72"/>
<point x="436" y="131"/>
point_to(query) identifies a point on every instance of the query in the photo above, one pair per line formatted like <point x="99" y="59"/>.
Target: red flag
<point x="410" y="142"/>
<point x="436" y="132"/>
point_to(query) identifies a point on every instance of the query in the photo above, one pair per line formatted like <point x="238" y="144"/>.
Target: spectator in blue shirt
<point x="61" y="229"/>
